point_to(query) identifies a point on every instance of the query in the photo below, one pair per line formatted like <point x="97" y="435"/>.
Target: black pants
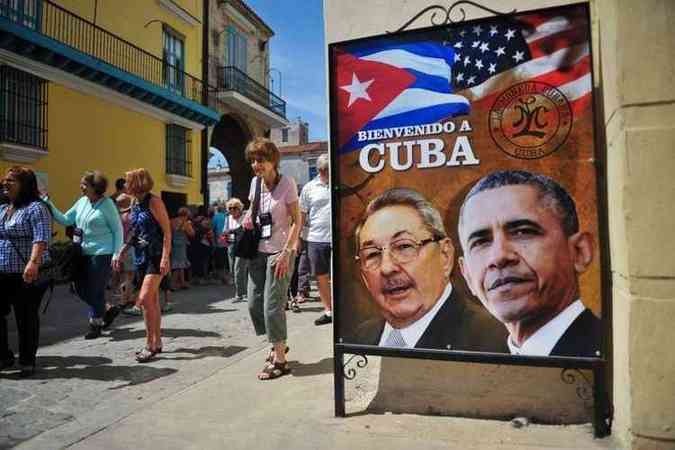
<point x="25" y="300"/>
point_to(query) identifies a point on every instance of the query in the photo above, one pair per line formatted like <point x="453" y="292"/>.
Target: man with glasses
<point x="406" y="261"/>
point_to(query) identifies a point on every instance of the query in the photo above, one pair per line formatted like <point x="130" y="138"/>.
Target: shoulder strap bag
<point x="246" y="241"/>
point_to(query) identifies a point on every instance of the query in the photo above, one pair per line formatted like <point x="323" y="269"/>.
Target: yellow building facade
<point x="117" y="86"/>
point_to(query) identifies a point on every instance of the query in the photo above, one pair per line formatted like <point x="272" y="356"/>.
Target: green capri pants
<point x="267" y="296"/>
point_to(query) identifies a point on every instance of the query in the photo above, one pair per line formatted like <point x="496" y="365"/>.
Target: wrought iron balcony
<point x="232" y="79"/>
<point x="50" y="34"/>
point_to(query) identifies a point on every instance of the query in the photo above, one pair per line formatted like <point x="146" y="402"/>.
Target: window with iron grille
<point x="174" y="60"/>
<point x="284" y="135"/>
<point x="178" y="151"/>
<point x="236" y="50"/>
<point x="24" y="12"/>
<point x="23" y="108"/>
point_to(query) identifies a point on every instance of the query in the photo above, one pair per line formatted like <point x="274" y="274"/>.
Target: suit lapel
<point x="443" y="329"/>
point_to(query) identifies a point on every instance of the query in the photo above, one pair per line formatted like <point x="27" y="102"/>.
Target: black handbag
<point x="246" y="241"/>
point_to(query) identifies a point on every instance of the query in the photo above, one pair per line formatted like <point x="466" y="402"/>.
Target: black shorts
<point x="151" y="267"/>
<point x="319" y="257"/>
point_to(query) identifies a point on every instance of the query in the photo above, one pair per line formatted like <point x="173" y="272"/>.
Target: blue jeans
<point x="267" y="296"/>
<point x="90" y="285"/>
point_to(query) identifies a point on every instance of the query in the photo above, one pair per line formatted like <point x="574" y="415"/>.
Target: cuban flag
<point x="393" y="85"/>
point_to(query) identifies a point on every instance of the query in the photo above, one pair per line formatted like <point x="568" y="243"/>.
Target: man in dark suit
<point x="522" y="254"/>
<point x="405" y="260"/>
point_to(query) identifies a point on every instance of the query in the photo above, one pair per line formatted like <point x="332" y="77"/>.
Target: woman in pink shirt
<point x="270" y="271"/>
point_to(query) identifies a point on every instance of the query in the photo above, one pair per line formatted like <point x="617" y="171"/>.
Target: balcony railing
<point x="62" y="25"/>
<point x="232" y="79"/>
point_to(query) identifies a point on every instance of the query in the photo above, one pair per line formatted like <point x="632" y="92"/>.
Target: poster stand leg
<point x="338" y="362"/>
<point x="602" y="414"/>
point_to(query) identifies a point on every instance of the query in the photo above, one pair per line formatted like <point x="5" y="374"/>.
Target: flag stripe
<point x="554" y="26"/>
<point x="577" y="88"/>
<point x="414" y="99"/>
<point x="406" y="60"/>
<point x="423" y="49"/>
<point x="432" y="83"/>
<point x="564" y="39"/>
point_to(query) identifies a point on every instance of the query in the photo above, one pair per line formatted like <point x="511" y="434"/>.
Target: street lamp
<point x="272" y="79"/>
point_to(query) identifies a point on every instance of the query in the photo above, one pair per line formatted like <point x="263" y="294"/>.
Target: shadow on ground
<point x="96" y="368"/>
<point x="307" y="370"/>
<point x="124" y="334"/>
<point x="206" y="352"/>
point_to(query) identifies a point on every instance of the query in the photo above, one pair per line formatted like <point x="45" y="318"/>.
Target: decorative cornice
<point x="94" y="89"/>
<point x="178" y="181"/>
<point x="179" y="12"/>
<point x="21" y="153"/>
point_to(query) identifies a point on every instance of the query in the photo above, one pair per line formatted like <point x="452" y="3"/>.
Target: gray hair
<point x="405" y="197"/>
<point x="322" y="161"/>
<point x="561" y="202"/>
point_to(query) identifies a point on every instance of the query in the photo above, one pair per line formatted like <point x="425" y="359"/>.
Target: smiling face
<point x="263" y="168"/>
<point x="517" y="259"/>
<point x="404" y="292"/>
<point x="87" y="189"/>
<point x="12" y="186"/>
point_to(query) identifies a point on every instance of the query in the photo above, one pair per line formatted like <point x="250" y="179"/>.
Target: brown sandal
<point x="274" y="370"/>
<point x="270" y="355"/>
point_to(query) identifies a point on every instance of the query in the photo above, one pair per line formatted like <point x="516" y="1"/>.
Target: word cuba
<point x="423" y="153"/>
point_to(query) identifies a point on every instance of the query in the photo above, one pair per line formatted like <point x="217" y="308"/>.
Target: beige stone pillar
<point x="638" y="72"/>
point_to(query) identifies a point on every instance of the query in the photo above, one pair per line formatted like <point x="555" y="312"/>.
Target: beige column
<point x="637" y="41"/>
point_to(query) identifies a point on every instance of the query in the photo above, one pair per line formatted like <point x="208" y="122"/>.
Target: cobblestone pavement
<point x="88" y="385"/>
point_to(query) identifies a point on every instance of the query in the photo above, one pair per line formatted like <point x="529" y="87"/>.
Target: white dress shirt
<point x="544" y="339"/>
<point x="413" y="332"/>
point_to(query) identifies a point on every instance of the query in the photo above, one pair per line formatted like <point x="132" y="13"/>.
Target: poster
<point x="466" y="187"/>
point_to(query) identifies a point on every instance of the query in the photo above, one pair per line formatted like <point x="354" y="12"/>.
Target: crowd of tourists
<point x="125" y="254"/>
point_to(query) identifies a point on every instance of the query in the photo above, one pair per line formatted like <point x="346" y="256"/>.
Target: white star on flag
<point x="500" y="51"/>
<point x="484" y="47"/>
<point x="510" y="34"/>
<point x="477" y="29"/>
<point x="459" y="77"/>
<point x="492" y="68"/>
<point x="458" y="44"/>
<point x="357" y="89"/>
<point x="457" y="57"/>
<point x="519" y="56"/>
<point x="479" y="64"/>
<point x="493" y="30"/>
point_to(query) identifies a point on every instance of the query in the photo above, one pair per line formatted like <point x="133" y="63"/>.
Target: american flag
<point x="552" y="48"/>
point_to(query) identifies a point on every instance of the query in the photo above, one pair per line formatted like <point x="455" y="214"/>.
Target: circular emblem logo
<point x="530" y="120"/>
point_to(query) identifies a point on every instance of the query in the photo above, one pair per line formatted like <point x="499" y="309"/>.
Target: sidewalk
<point x="231" y="409"/>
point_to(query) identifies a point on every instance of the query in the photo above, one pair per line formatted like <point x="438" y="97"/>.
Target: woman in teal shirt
<point x="98" y="230"/>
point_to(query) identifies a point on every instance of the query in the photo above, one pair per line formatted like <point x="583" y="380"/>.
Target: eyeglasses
<point x="232" y="208"/>
<point x="401" y="251"/>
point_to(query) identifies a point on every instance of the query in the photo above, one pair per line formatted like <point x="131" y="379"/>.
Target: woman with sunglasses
<point x="25" y="231"/>
<point x="98" y="230"/>
<point x="238" y="266"/>
<point x="270" y="271"/>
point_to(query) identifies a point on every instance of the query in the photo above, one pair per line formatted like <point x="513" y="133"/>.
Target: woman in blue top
<point x="98" y="230"/>
<point x="151" y="239"/>
<point x="25" y="231"/>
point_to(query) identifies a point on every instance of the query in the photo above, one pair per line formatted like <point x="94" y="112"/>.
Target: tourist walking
<point x="151" y="239"/>
<point x="98" y="230"/>
<point x="25" y="232"/>
<point x="181" y="232"/>
<point x="315" y="209"/>
<point x="277" y="219"/>
<point x="238" y="266"/>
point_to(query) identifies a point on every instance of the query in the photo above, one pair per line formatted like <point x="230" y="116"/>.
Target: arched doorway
<point x="230" y="137"/>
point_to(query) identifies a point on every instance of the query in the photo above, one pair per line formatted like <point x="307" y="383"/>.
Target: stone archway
<point x="230" y="137"/>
